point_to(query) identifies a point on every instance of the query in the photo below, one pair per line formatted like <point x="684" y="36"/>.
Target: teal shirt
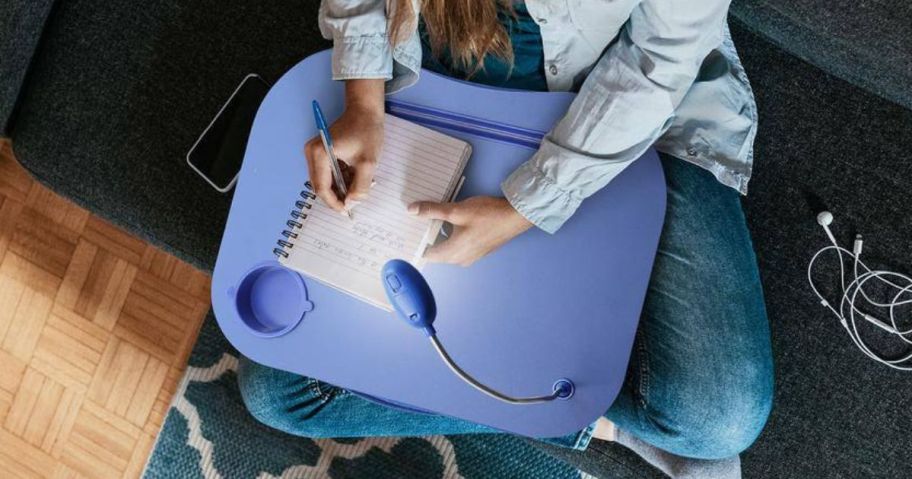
<point x="528" y="72"/>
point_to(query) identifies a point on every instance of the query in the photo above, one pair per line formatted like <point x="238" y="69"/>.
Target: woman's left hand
<point x="481" y="225"/>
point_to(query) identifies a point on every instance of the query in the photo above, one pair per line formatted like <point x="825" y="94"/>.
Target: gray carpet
<point x="116" y="97"/>
<point x="824" y="143"/>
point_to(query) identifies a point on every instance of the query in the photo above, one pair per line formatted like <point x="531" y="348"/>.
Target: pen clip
<point x="321" y="121"/>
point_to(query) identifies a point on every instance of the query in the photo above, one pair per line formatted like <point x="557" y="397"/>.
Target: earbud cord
<point x="849" y="299"/>
<point x="481" y="387"/>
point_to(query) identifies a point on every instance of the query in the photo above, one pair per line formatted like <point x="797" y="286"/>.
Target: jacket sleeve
<point x="358" y="30"/>
<point x="623" y="107"/>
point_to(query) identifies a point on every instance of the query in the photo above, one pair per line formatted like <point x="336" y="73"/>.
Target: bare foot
<point x="604" y="430"/>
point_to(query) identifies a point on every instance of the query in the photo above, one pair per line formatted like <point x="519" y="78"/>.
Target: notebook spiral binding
<point x="296" y="221"/>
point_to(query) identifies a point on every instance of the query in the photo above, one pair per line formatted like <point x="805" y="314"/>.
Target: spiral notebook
<point x="416" y="164"/>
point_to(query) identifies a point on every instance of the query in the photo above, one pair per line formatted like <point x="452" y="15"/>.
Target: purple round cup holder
<point x="271" y="300"/>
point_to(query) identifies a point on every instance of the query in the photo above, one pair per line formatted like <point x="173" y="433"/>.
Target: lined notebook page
<point x="416" y="164"/>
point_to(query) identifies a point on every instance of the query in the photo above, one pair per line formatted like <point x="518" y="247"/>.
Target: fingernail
<point x="413" y="209"/>
<point x="349" y="204"/>
<point x="344" y="212"/>
<point x="373" y="183"/>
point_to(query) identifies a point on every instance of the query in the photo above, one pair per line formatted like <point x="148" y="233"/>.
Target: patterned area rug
<point x="208" y="433"/>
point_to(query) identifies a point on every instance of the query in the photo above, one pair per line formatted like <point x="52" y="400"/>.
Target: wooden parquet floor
<point x="95" y="330"/>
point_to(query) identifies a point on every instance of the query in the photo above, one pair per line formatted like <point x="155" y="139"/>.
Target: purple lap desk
<point x="541" y="308"/>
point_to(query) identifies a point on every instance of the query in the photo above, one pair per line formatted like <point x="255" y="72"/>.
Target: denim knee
<point x="279" y="399"/>
<point x="262" y="404"/>
<point x="719" y="428"/>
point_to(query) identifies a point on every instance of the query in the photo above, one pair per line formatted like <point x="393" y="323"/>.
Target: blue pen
<point x="327" y="144"/>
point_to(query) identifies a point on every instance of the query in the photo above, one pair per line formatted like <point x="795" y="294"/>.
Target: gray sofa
<point x="102" y="99"/>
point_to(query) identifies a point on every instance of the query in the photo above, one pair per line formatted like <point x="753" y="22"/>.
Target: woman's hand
<point x="481" y="225"/>
<point x="357" y="139"/>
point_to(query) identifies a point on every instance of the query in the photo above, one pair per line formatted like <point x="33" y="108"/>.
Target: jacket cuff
<point x="537" y="197"/>
<point x="368" y="56"/>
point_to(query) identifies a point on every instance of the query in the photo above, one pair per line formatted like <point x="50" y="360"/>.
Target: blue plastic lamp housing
<point x="410" y="295"/>
<point x="414" y="303"/>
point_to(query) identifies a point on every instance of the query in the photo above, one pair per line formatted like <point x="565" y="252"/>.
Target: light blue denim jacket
<point x="649" y="72"/>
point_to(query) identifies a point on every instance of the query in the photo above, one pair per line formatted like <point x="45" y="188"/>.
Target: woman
<point x="648" y="72"/>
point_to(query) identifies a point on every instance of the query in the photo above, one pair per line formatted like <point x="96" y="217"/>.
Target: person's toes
<point x="604" y="430"/>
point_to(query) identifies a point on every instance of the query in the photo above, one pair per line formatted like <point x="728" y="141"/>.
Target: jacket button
<point x="553" y="69"/>
<point x="691" y="151"/>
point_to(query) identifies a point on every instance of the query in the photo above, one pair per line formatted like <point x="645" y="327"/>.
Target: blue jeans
<point x="700" y="379"/>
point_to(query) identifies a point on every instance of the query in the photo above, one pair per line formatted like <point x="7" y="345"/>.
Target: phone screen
<point x="218" y="153"/>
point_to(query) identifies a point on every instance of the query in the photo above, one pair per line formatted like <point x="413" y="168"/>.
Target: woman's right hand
<point x="357" y="140"/>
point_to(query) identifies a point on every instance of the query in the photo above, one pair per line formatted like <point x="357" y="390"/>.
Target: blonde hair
<point x="468" y="29"/>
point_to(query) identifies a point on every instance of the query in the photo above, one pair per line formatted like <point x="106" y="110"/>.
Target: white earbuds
<point x="849" y="309"/>
<point x="825" y="218"/>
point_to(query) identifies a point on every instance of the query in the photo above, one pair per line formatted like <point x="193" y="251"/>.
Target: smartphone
<point x="219" y="151"/>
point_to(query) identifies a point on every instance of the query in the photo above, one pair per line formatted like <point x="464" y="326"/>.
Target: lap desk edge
<point x="541" y="308"/>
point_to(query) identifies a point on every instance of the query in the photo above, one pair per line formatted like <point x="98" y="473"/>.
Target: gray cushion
<point x="21" y="26"/>
<point x="867" y="43"/>
<point x="121" y="92"/>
